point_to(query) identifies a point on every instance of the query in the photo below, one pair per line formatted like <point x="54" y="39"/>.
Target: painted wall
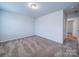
<point x="16" y="26"/>
<point x="0" y="24"/>
<point x="51" y="26"/>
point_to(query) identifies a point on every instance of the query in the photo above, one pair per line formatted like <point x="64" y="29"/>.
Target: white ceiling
<point x="44" y="7"/>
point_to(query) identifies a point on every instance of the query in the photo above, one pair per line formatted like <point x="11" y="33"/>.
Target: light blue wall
<point x="51" y="26"/>
<point x="0" y="24"/>
<point x="16" y="26"/>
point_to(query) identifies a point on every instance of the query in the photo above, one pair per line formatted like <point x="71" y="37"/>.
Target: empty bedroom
<point x="36" y="29"/>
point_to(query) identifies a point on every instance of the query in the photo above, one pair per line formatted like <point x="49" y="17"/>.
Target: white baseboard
<point x="5" y="40"/>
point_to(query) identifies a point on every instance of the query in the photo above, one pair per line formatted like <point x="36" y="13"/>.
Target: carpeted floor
<point x="33" y="46"/>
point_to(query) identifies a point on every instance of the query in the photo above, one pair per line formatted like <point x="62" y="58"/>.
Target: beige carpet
<point x="33" y="46"/>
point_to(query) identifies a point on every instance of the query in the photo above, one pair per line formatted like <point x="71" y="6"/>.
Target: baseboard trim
<point x="9" y="40"/>
<point x="15" y="39"/>
<point x="49" y="39"/>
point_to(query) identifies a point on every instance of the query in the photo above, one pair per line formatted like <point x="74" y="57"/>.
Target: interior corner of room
<point x="40" y="21"/>
<point x="16" y="25"/>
